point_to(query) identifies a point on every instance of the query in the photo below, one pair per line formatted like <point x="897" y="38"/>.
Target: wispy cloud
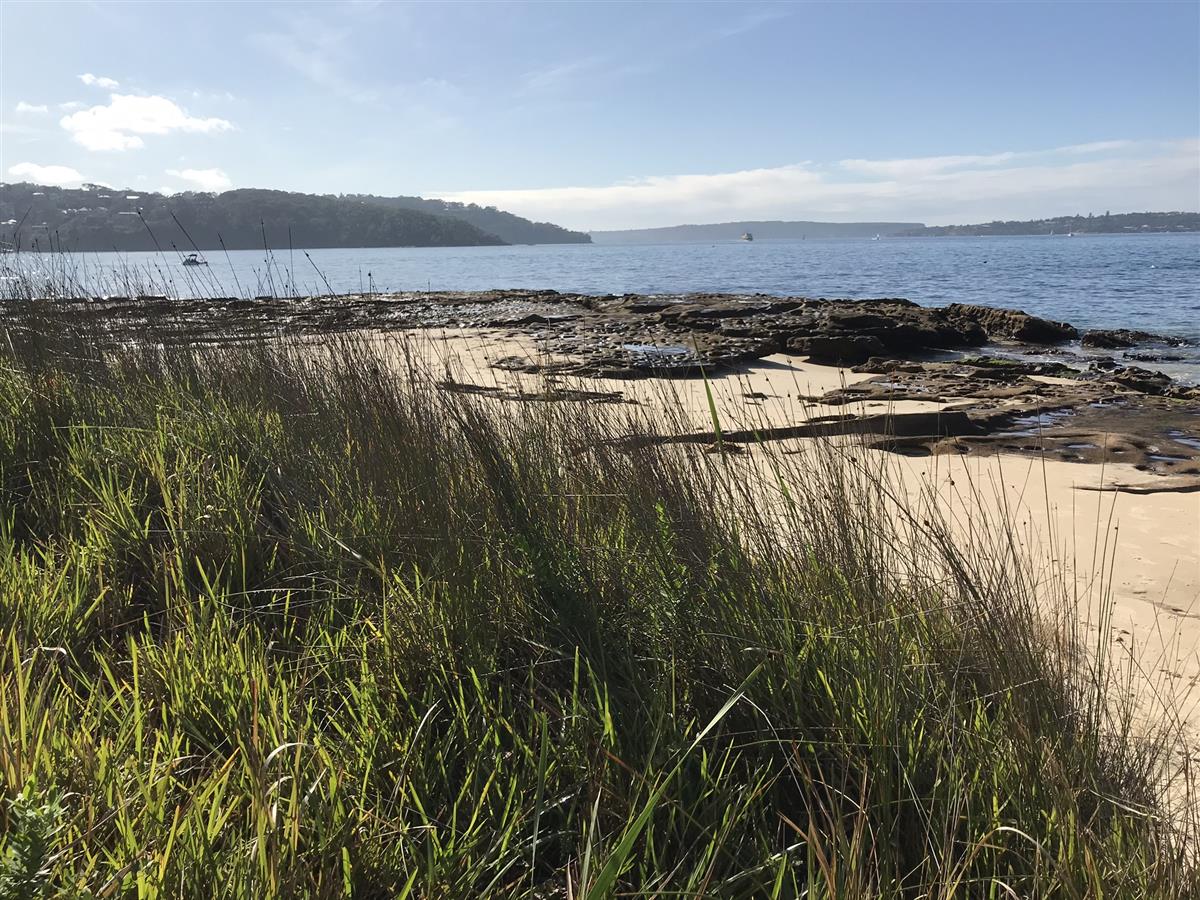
<point x="119" y="124"/>
<point x="317" y="51"/>
<point x="1096" y="147"/>
<point x="58" y="176"/>
<point x="1014" y="184"/>
<point x="554" y="77"/>
<point x="213" y="180"/>
<point x="921" y="166"/>
<point x="99" y="81"/>
<point x="31" y="108"/>
<point x="324" y="55"/>
<point x="565" y="76"/>
<point x="932" y="165"/>
<point x="749" y="22"/>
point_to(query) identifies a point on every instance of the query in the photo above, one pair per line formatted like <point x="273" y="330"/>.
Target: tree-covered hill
<point x="100" y="218"/>
<point x="511" y="228"/>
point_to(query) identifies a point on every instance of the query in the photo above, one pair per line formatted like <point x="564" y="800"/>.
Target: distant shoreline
<point x="1174" y="222"/>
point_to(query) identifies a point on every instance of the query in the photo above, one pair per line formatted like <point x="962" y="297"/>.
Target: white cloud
<point x="23" y="107"/>
<point x="942" y="189"/>
<point x="99" y="81"/>
<point x="213" y="180"/>
<point x="58" y="176"/>
<point x="119" y="124"/>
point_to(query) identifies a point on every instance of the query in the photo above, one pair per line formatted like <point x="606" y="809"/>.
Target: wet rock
<point x="1101" y="364"/>
<point x="1143" y="380"/>
<point x="1012" y="324"/>
<point x="1120" y="338"/>
<point x="1143" y="356"/>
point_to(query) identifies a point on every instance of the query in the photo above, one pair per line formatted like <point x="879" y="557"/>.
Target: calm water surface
<point x="1150" y="282"/>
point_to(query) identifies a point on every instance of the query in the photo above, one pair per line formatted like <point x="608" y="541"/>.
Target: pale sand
<point x="1151" y="541"/>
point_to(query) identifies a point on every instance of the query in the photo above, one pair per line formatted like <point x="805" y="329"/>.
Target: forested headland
<point x="98" y="218"/>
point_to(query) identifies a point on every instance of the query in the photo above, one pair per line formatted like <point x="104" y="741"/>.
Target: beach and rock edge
<point x="1002" y="380"/>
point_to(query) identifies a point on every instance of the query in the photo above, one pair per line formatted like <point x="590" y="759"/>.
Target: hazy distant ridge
<point x="729" y="231"/>
<point x="1109" y="223"/>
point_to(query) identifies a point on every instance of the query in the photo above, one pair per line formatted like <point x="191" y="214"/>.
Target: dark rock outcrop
<point x="1012" y="324"/>
<point x="1120" y="338"/>
<point x="1143" y="380"/>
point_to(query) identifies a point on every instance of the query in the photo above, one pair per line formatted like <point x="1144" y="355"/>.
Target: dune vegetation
<point x="285" y="623"/>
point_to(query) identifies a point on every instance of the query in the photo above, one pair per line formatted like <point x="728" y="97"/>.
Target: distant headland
<point x="732" y="231"/>
<point x="1107" y="223"/>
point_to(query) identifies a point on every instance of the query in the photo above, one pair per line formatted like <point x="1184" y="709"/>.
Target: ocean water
<point x="1148" y="282"/>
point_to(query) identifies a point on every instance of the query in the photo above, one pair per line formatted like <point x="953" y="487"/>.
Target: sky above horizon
<point x="613" y="115"/>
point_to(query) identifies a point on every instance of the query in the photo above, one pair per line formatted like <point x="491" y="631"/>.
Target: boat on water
<point x="194" y="259"/>
<point x="875" y="238"/>
<point x="746" y="237"/>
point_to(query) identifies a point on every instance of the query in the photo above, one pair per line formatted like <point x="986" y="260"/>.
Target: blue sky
<point x="611" y="115"/>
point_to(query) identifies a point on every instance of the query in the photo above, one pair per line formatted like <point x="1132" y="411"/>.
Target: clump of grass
<point x="285" y="622"/>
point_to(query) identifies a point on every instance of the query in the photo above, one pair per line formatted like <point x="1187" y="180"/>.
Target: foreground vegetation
<point x="284" y="623"/>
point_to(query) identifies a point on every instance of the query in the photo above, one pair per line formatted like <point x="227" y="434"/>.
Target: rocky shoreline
<point x="996" y="372"/>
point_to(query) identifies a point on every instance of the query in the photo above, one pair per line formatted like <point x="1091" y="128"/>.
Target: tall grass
<point x="278" y="623"/>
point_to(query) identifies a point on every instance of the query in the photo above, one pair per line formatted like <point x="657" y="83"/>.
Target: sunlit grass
<point x="284" y="623"/>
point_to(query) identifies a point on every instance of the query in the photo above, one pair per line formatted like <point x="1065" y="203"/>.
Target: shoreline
<point x="1004" y="380"/>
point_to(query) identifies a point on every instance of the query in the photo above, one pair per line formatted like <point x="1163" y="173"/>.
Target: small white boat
<point x="194" y="259"/>
<point x="747" y="236"/>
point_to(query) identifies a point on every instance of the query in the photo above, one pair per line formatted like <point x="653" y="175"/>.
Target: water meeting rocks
<point x="1013" y="324"/>
<point x="1122" y="338"/>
